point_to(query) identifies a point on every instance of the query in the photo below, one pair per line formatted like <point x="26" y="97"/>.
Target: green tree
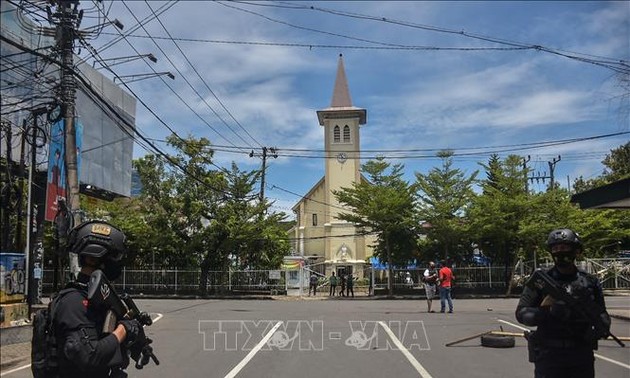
<point x="616" y="167"/>
<point x="445" y="194"/>
<point x="384" y="206"/>
<point x="196" y="213"/>
<point x="495" y="216"/>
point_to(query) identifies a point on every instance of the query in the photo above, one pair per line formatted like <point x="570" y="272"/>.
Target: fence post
<point x="490" y="275"/>
<point x="124" y="277"/>
<point x="372" y="278"/>
<point x="176" y="279"/>
<point x="616" y="277"/>
<point x="230" y="279"/>
<point x="301" y="277"/>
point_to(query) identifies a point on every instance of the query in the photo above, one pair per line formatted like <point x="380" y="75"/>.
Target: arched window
<point x="337" y="135"/>
<point x="346" y="133"/>
<point x="314" y="219"/>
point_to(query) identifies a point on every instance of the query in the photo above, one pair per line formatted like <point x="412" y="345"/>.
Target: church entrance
<point x="343" y="270"/>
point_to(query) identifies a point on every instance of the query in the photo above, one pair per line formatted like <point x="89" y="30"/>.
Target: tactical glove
<point x="135" y="331"/>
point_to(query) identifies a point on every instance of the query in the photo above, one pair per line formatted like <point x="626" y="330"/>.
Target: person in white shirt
<point x="430" y="279"/>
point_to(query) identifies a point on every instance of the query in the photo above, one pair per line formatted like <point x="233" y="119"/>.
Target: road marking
<point x="596" y="355"/>
<point x="253" y="352"/>
<point x="612" y="361"/>
<point x="158" y="317"/>
<point x="419" y="368"/>
<point x="14" y="370"/>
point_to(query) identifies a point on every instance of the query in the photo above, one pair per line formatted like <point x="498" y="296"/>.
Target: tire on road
<point x="497" y="341"/>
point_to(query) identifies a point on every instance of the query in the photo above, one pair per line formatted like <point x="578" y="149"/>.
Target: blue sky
<point x="416" y="98"/>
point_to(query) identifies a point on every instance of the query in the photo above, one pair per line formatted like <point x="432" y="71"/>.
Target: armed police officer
<point x="84" y="349"/>
<point x="563" y="343"/>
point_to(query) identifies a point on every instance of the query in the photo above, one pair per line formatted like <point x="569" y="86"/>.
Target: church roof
<point x="341" y="103"/>
<point x="341" y="92"/>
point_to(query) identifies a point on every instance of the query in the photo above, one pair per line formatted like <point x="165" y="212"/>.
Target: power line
<point x="325" y="46"/>
<point x="480" y="151"/>
<point x="617" y="65"/>
<point x="206" y="85"/>
<point x="111" y="109"/>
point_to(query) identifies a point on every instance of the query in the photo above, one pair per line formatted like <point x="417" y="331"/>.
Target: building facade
<point x="319" y="233"/>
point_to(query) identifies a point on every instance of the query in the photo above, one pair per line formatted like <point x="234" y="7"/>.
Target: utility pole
<point x="30" y="219"/>
<point x="19" y="206"/>
<point x="66" y="32"/>
<point x="8" y="187"/>
<point x="552" y="167"/>
<point x="265" y="151"/>
<point x="525" y="161"/>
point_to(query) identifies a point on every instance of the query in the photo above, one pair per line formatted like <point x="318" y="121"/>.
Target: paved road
<point x="358" y="338"/>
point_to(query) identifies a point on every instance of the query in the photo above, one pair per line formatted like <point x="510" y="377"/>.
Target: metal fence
<point x="613" y="274"/>
<point x="469" y="277"/>
<point x="175" y="281"/>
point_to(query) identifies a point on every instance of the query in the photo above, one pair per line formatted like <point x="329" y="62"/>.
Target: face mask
<point x="112" y="269"/>
<point x="563" y="259"/>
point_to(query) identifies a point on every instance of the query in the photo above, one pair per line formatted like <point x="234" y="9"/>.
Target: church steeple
<point x="341" y="104"/>
<point x="341" y="93"/>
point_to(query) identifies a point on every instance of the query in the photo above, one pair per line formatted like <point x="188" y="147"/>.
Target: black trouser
<point x="574" y="362"/>
<point x="333" y="289"/>
<point x="350" y="290"/>
<point x="579" y="371"/>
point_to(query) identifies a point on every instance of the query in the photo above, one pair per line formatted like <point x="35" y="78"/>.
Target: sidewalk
<point x="14" y="355"/>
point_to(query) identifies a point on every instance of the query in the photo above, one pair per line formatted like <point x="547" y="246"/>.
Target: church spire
<point x="341" y="93"/>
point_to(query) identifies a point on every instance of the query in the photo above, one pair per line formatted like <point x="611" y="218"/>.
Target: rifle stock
<point x="540" y="280"/>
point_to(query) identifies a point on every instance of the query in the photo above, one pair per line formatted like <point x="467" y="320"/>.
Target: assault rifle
<point x="589" y="310"/>
<point x="121" y="307"/>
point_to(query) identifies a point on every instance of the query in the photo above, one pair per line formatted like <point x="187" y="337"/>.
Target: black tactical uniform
<point x="84" y="350"/>
<point x="563" y="343"/>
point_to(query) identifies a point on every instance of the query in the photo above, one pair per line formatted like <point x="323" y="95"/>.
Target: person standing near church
<point x="430" y="279"/>
<point x="446" y="278"/>
<point x="333" y="285"/>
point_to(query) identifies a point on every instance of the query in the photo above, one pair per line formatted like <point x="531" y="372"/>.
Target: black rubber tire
<point x="498" y="341"/>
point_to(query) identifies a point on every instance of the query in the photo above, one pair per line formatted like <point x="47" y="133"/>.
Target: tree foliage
<point x="445" y="194"/>
<point x="197" y="215"/>
<point x="616" y="167"/>
<point x="385" y="206"/>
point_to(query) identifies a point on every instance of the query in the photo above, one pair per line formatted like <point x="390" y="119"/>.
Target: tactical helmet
<point x="98" y="239"/>
<point x="564" y="236"/>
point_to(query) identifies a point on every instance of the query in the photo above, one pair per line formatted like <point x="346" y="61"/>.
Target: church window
<point x="314" y="219"/>
<point x="337" y="134"/>
<point x="346" y="133"/>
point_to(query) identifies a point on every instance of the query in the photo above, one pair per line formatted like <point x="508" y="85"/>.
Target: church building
<point x="329" y="242"/>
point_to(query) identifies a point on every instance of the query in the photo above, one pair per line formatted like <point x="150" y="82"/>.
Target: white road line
<point x="410" y="357"/>
<point x="596" y="355"/>
<point x="612" y="361"/>
<point x="158" y="317"/>
<point x="253" y="352"/>
<point x="14" y="370"/>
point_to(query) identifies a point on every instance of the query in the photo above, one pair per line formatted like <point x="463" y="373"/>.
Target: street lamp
<point x="123" y="59"/>
<point x="139" y="77"/>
